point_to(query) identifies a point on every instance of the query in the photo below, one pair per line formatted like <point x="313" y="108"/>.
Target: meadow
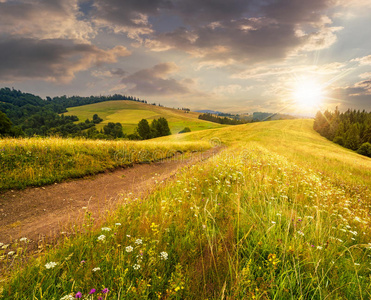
<point x="129" y="113"/>
<point x="40" y="161"/>
<point x="280" y="213"/>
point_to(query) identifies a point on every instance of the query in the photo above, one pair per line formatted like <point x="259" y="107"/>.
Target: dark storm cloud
<point x="296" y="11"/>
<point x="129" y="16"/>
<point x="242" y="40"/>
<point x="225" y="31"/>
<point x="252" y="33"/>
<point x="55" y="60"/>
<point x="155" y="81"/>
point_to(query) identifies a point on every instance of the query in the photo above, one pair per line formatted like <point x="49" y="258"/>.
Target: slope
<point x="281" y="213"/>
<point x="297" y="141"/>
<point x="129" y="113"/>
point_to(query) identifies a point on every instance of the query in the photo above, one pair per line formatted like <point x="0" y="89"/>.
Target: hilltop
<point x="129" y="113"/>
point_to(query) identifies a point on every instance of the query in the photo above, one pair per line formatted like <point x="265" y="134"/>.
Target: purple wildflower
<point x="105" y="291"/>
<point x="78" y="295"/>
<point x="92" y="291"/>
<point x="100" y="298"/>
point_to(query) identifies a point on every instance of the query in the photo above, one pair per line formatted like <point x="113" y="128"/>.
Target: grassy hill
<point x="129" y="113"/>
<point x="280" y="213"/>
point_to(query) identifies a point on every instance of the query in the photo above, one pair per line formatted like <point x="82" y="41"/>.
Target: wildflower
<point x="356" y="264"/>
<point x="24" y="239"/>
<point x="101" y="237"/>
<point x="100" y="298"/>
<point x="164" y="255"/>
<point x="78" y="295"/>
<point x="319" y="247"/>
<point x="273" y="222"/>
<point x="105" y="291"/>
<point x="92" y="291"/>
<point x="51" y="265"/>
<point x="136" y="267"/>
<point x="96" y="269"/>
<point x="118" y="224"/>
<point x="129" y="249"/>
<point x="301" y="233"/>
<point x="106" y="229"/>
<point x="82" y="262"/>
<point x="11" y="253"/>
<point x="138" y="242"/>
<point x="1" y="244"/>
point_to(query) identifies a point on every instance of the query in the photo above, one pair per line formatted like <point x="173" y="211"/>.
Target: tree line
<point x="220" y="120"/>
<point x="350" y="129"/>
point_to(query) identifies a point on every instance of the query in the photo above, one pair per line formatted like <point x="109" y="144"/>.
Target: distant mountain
<point x="207" y="111"/>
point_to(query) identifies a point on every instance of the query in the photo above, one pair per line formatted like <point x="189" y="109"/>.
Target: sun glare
<point x="308" y="93"/>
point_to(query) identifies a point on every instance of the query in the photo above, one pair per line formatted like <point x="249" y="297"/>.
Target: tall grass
<point x="249" y="224"/>
<point x="39" y="161"/>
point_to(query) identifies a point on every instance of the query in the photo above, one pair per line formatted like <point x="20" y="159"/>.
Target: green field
<point x="129" y="113"/>
<point x="280" y="213"/>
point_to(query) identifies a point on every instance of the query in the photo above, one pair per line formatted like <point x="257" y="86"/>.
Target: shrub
<point x="365" y="149"/>
<point x="186" y="129"/>
<point x="339" y="140"/>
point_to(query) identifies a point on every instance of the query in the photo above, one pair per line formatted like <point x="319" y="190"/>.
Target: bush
<point x="365" y="149"/>
<point x="186" y="129"/>
<point x="339" y="140"/>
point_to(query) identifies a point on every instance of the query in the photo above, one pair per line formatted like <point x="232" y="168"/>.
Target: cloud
<point x="52" y="60"/>
<point x="355" y="96"/>
<point x="129" y="16"/>
<point x="44" y="19"/>
<point x="364" y="61"/>
<point x="116" y="72"/>
<point x="260" y="72"/>
<point x="155" y="81"/>
<point x="230" y="89"/>
<point x="248" y="31"/>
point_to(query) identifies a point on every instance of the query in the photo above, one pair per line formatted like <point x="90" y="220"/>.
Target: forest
<point x="24" y="114"/>
<point x="350" y="129"/>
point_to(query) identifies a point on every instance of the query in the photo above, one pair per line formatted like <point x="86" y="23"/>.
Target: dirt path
<point x="39" y="213"/>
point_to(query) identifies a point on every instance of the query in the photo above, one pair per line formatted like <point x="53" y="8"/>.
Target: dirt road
<point x="42" y="213"/>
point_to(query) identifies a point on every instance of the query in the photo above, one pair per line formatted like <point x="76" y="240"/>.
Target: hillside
<point x="297" y="141"/>
<point x="279" y="213"/>
<point x="129" y="113"/>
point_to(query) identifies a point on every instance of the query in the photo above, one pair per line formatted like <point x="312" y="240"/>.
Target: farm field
<point x="129" y="113"/>
<point x="280" y="213"/>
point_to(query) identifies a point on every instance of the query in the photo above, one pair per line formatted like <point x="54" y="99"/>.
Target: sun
<point x="308" y="93"/>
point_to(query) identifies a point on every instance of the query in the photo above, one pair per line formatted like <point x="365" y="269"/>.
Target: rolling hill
<point x="279" y="213"/>
<point x="129" y="113"/>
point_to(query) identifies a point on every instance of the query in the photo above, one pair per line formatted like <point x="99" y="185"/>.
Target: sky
<point x="235" y="56"/>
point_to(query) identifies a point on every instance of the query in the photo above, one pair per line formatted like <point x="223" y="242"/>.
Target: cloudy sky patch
<point x="233" y="55"/>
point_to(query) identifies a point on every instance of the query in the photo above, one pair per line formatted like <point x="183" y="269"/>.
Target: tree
<point x="97" y="119"/>
<point x="352" y="140"/>
<point x="365" y="149"/>
<point x="163" y="127"/>
<point x="5" y="124"/>
<point x="144" y="130"/>
<point x="113" y="130"/>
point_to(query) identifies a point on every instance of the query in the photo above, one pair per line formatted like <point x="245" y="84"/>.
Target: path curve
<point x="41" y="213"/>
